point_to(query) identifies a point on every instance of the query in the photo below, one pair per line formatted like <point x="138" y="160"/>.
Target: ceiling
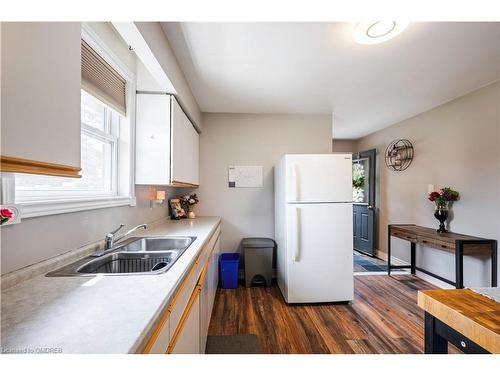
<point x="318" y="68"/>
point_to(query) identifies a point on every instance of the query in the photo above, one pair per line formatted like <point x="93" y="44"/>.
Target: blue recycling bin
<point x="229" y="266"/>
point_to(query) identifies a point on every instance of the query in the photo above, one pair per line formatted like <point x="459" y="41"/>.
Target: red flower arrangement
<point x="5" y="215"/>
<point x="445" y="195"/>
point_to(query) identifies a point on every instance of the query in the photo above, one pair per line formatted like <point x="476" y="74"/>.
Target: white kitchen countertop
<point x="100" y="314"/>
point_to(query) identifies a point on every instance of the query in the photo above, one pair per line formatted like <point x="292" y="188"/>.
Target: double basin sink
<point x="134" y="256"/>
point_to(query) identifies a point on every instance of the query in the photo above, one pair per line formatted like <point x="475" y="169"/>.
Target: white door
<point x="319" y="252"/>
<point x="319" y="178"/>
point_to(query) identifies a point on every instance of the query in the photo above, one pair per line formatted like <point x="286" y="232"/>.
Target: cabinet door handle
<point x="424" y="241"/>
<point x="444" y="246"/>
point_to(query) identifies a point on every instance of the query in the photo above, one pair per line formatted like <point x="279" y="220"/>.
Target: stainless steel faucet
<point x="110" y="239"/>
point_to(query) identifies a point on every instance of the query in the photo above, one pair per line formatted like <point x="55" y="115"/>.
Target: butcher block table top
<point x="473" y="315"/>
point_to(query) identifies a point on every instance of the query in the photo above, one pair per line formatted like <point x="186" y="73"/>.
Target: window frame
<point x="124" y="188"/>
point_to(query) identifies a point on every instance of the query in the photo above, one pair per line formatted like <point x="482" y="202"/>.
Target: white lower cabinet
<point x="162" y="339"/>
<point x="207" y="293"/>
<point x="184" y="326"/>
<point x="204" y="313"/>
<point x="213" y="278"/>
<point x="188" y="342"/>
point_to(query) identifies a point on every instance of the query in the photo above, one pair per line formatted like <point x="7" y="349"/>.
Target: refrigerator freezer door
<point x="319" y="247"/>
<point x="319" y="178"/>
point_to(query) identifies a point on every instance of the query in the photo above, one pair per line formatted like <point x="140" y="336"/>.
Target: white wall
<point x="251" y="139"/>
<point x="110" y="37"/>
<point x="344" y="145"/>
<point x="458" y="145"/>
<point x="154" y="36"/>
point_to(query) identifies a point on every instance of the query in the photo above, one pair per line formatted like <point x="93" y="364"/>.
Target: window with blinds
<point x="102" y="81"/>
<point x="106" y="178"/>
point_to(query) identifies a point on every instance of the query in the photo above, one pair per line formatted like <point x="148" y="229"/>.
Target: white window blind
<point x="102" y="81"/>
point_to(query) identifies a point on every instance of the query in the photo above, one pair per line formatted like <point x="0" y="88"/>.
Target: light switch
<point x="430" y="188"/>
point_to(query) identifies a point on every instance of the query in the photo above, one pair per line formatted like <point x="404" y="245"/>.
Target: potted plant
<point x="442" y="199"/>
<point x="6" y="214"/>
<point x="188" y="201"/>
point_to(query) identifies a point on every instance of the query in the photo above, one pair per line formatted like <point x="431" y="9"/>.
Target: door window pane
<point x="360" y="181"/>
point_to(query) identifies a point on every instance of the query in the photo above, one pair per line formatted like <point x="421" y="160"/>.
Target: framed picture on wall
<point x="176" y="210"/>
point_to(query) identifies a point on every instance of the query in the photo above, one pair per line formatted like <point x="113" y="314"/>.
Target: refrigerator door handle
<point x="297" y="234"/>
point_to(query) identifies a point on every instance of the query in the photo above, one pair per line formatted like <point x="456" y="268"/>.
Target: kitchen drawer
<point x="403" y="235"/>
<point x="432" y="242"/>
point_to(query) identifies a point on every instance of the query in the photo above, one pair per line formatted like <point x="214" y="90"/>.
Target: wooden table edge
<point x="488" y="339"/>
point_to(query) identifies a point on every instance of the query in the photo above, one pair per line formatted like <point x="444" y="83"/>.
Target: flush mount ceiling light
<point x="377" y="31"/>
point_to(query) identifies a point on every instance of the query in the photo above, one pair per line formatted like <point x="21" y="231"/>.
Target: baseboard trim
<point x="399" y="262"/>
<point x="396" y="261"/>
<point x="432" y="280"/>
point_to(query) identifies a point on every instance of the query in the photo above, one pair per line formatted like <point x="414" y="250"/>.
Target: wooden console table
<point x="467" y="319"/>
<point x="458" y="244"/>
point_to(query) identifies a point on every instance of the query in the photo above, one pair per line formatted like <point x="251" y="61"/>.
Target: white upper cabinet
<point x="167" y="144"/>
<point x="153" y="139"/>
<point x="40" y="81"/>
<point x="185" y="148"/>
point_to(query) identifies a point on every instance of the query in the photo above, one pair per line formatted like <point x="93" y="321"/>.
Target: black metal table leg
<point x="459" y="264"/>
<point x="439" y="334"/>
<point x="494" y="264"/>
<point x="413" y="257"/>
<point x="434" y="343"/>
<point x="389" y="250"/>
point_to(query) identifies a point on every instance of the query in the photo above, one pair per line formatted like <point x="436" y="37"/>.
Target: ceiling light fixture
<point x="377" y="31"/>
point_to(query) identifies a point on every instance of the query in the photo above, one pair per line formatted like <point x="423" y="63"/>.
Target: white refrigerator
<point x="313" y="227"/>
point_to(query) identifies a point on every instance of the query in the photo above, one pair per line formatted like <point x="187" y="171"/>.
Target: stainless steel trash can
<point x="258" y="258"/>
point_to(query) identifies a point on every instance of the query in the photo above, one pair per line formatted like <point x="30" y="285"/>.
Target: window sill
<point x="45" y="208"/>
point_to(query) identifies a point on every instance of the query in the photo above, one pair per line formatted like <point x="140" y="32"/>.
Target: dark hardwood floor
<point x="383" y="318"/>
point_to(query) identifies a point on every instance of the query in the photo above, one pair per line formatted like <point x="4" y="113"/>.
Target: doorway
<point x="363" y="186"/>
